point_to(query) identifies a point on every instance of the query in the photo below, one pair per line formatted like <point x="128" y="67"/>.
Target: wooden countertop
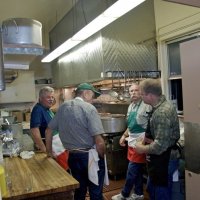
<point x="48" y="177"/>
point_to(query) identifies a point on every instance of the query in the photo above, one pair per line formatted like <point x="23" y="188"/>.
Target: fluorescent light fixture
<point x="67" y="45"/>
<point x="121" y="7"/>
<point x="115" y="11"/>
<point x="15" y="66"/>
<point x="96" y="25"/>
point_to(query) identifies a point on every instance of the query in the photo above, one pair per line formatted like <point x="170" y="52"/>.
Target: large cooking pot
<point x="22" y="31"/>
<point x="113" y="123"/>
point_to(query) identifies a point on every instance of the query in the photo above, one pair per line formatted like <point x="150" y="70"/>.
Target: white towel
<point x="176" y="176"/>
<point x="57" y="145"/>
<point x="106" y="179"/>
<point x="93" y="168"/>
<point x="26" y="154"/>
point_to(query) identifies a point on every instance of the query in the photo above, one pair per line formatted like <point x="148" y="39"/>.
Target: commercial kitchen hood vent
<point x="22" y="42"/>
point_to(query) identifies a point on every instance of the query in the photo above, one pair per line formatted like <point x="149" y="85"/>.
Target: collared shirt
<point x="40" y="118"/>
<point x="77" y="123"/>
<point x="142" y="116"/>
<point x="164" y="126"/>
<point x="139" y="119"/>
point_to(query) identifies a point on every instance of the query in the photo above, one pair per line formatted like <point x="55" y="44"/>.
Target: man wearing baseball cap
<point x="80" y="128"/>
<point x="87" y="86"/>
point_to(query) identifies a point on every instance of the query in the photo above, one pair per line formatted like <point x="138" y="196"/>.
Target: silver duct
<point x="2" y="80"/>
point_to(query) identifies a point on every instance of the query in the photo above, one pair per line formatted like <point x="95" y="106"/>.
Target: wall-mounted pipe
<point x="2" y="80"/>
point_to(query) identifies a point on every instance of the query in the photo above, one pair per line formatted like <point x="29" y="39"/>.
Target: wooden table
<point x="49" y="180"/>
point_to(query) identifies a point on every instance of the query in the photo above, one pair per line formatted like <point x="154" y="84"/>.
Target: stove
<point x="116" y="155"/>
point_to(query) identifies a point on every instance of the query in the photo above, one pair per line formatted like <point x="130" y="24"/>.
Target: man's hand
<point x="147" y="140"/>
<point x="50" y="154"/>
<point x="141" y="148"/>
<point x="100" y="145"/>
<point x="122" y="141"/>
<point x="123" y="138"/>
<point x="35" y="132"/>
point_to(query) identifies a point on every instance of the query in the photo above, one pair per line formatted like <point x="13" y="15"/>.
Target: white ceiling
<point x="48" y="12"/>
<point x="195" y="3"/>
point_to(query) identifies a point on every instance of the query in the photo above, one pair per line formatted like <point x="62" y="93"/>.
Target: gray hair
<point x="134" y="83"/>
<point x="78" y="93"/>
<point x="152" y="86"/>
<point x="45" y="90"/>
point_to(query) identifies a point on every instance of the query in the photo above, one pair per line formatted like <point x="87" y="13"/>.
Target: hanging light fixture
<point x="115" y="11"/>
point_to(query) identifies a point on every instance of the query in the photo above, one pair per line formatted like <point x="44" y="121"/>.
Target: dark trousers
<point x="161" y="192"/>
<point x="78" y="163"/>
<point x="134" y="177"/>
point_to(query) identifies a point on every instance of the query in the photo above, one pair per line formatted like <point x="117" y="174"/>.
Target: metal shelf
<point x="133" y="74"/>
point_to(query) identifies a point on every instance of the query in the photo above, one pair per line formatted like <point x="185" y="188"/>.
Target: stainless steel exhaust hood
<point x="128" y="44"/>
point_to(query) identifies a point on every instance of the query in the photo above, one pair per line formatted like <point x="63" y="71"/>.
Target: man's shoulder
<point x="167" y="107"/>
<point x="37" y="107"/>
<point x="77" y="103"/>
<point x="146" y="106"/>
<point x="39" y="110"/>
<point x="84" y="103"/>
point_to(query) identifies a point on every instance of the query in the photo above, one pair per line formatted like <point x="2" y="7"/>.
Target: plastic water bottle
<point x="0" y="194"/>
<point x="3" y="187"/>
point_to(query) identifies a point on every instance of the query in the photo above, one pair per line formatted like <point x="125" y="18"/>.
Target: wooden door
<point x="190" y="68"/>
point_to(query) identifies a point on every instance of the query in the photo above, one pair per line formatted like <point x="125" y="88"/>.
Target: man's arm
<point x="100" y="145"/>
<point x="37" y="139"/>
<point x="49" y="137"/>
<point x="141" y="147"/>
<point x="123" y="138"/>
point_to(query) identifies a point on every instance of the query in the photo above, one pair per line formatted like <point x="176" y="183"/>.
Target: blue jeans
<point x="78" y="163"/>
<point x="160" y="192"/>
<point x="134" y="176"/>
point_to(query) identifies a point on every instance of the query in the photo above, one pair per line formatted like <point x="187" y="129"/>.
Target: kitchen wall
<point x="21" y="89"/>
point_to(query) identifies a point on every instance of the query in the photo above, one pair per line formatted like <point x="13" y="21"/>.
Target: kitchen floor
<point x="115" y="187"/>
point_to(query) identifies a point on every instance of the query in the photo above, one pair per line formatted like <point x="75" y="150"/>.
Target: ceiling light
<point x="115" y="11"/>
<point x="92" y="27"/>
<point x="67" y="45"/>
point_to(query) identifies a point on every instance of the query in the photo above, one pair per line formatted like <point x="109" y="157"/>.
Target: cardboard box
<point x="27" y="116"/>
<point x="19" y="116"/>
